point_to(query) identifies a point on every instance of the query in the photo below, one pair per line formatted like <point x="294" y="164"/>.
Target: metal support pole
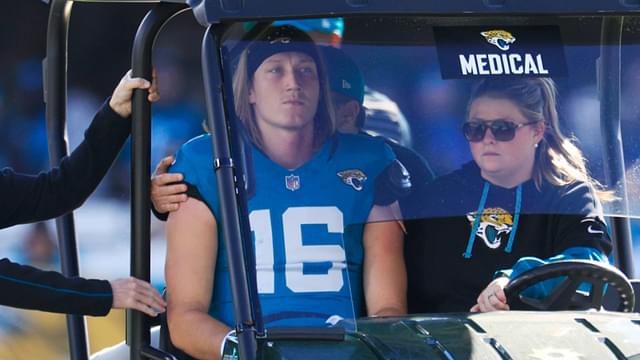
<point x="55" y="96"/>
<point x="609" y="92"/>
<point x="229" y="186"/>
<point x="138" y="325"/>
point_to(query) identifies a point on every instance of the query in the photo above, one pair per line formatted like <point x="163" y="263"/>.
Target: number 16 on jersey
<point x="296" y="253"/>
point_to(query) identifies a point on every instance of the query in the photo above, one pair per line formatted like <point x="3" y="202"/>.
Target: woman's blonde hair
<point x="558" y="160"/>
<point x="324" y="119"/>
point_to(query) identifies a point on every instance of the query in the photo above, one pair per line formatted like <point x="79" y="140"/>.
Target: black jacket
<point x="553" y="219"/>
<point x="28" y="198"/>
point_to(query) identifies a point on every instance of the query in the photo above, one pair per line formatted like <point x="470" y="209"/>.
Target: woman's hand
<point x="492" y="298"/>
<point x="121" y="98"/>
<point x="132" y="293"/>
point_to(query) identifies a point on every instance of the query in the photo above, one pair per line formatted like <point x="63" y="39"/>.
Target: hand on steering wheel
<point x="564" y="296"/>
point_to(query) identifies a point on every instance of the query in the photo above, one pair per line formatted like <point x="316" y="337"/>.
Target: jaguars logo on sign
<point x="353" y="177"/>
<point x="495" y="225"/>
<point x="502" y="39"/>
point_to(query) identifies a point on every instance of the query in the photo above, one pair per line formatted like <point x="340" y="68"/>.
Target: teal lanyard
<point x="476" y="222"/>
<point x="516" y="219"/>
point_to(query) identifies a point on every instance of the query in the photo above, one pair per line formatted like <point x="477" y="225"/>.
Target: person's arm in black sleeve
<point x="393" y="184"/>
<point x="581" y="222"/>
<point x="51" y="194"/>
<point x="29" y="288"/>
<point x="32" y="198"/>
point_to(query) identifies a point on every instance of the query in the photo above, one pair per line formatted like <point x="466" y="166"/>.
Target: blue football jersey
<point x="307" y="226"/>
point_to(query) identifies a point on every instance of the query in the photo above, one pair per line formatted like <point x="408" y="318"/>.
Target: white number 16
<point x="296" y="253"/>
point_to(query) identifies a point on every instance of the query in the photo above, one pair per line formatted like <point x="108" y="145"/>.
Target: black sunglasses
<point x="502" y="130"/>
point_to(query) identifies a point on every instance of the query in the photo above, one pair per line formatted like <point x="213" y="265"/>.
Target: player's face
<point x="285" y="91"/>
<point x="509" y="159"/>
<point x="346" y="113"/>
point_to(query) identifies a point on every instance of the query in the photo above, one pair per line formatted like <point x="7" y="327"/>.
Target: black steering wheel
<point x="565" y="296"/>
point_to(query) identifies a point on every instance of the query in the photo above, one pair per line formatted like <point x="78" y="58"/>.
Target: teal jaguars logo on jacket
<point x="495" y="225"/>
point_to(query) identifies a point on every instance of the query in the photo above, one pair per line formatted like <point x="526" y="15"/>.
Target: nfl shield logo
<point x="292" y="182"/>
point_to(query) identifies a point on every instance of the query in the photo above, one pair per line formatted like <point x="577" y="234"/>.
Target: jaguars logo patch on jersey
<point x="353" y="177"/>
<point x="495" y="224"/>
<point x="500" y="38"/>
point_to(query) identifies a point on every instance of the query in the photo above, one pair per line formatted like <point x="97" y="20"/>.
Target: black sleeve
<point x="28" y="198"/>
<point x="191" y="192"/>
<point x="160" y="216"/>
<point x="164" y="216"/>
<point x="26" y="287"/>
<point x="392" y="184"/>
<point x="581" y="221"/>
<point x="417" y="166"/>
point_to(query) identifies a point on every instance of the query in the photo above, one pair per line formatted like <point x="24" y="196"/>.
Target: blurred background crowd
<point x="429" y="111"/>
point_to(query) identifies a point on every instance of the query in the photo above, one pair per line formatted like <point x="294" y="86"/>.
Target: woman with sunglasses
<point x="525" y="199"/>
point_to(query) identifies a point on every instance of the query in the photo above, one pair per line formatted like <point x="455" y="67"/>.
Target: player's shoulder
<point x="197" y="149"/>
<point x="365" y="153"/>
<point x="364" y="146"/>
<point x="193" y="152"/>
<point x="197" y="144"/>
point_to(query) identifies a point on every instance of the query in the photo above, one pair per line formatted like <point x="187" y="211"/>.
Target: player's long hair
<point x="558" y="160"/>
<point x="324" y="120"/>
